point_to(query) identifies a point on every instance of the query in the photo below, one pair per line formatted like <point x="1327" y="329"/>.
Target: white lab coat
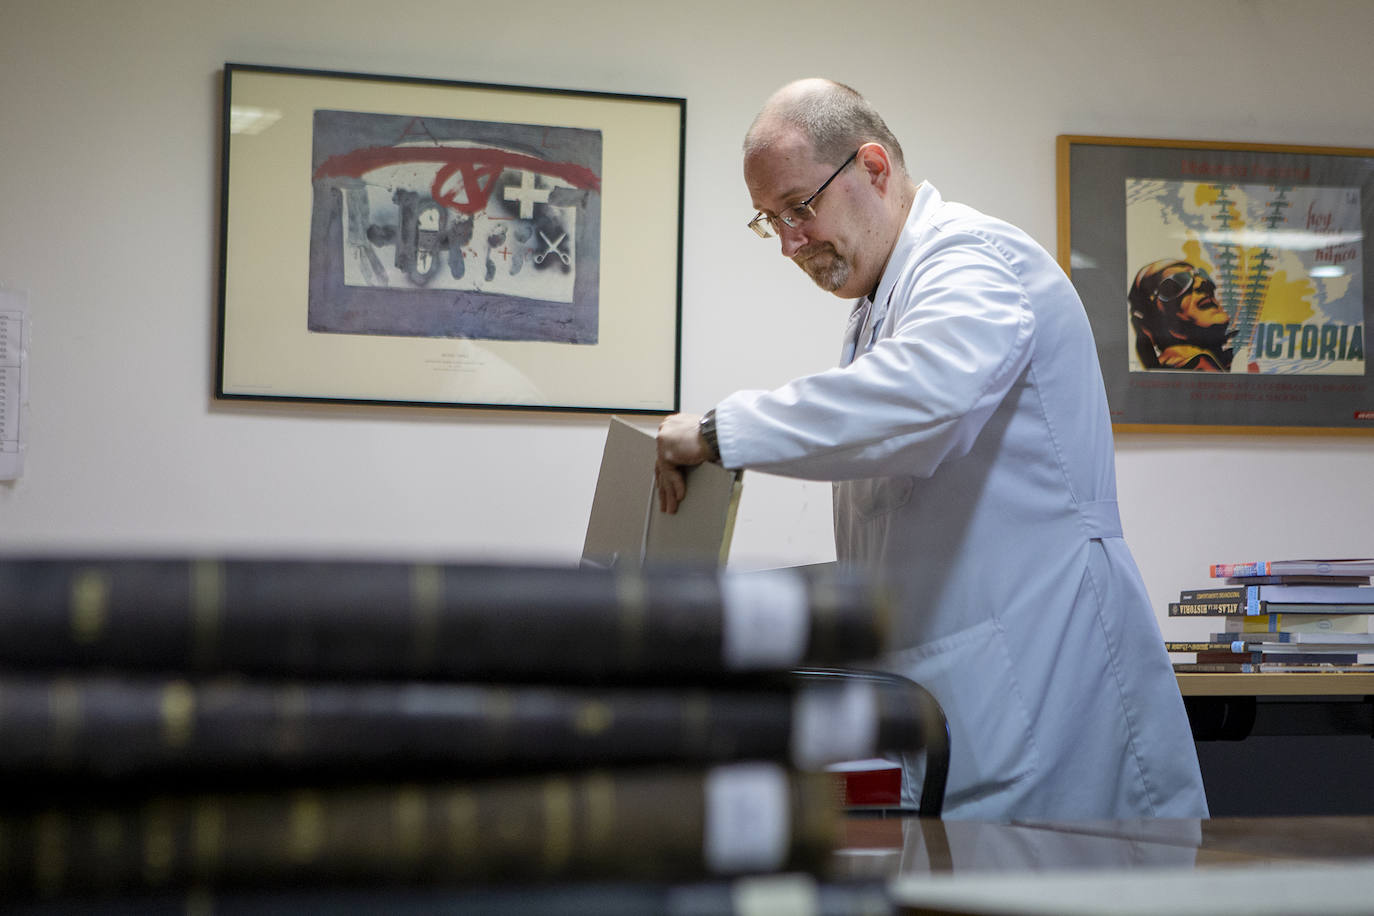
<point x="972" y="451"/>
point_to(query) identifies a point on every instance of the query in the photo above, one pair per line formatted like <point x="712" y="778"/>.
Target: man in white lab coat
<point x="967" y="432"/>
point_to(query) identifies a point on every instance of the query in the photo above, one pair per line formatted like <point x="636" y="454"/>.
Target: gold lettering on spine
<point x="408" y="814"/>
<point x="159" y="843"/>
<point x="305" y="829"/>
<point x="593" y="717"/>
<point x="90" y="605"/>
<point x="498" y="718"/>
<point x="631" y="595"/>
<point x="558" y="825"/>
<point x="207" y="609"/>
<point x="460" y="810"/>
<point x="207" y="838"/>
<point x="426" y="605"/>
<point x="50" y="852"/>
<point x="178" y="714"/>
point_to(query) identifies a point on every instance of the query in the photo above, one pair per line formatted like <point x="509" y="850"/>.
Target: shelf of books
<point x="1292" y="627"/>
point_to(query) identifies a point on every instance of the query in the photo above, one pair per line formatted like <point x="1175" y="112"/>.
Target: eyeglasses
<point x="1181" y="282"/>
<point x="796" y="214"/>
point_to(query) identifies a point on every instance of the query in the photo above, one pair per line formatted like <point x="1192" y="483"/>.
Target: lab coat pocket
<point x="972" y="676"/>
<point x="876" y="496"/>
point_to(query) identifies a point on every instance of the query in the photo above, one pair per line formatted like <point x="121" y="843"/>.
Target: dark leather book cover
<point x="752" y="895"/>
<point x="675" y="824"/>
<point x="67" y="733"/>
<point x="470" y="622"/>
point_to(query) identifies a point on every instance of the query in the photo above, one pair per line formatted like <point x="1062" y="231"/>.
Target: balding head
<point x="829" y="117"/>
<point x="802" y="143"/>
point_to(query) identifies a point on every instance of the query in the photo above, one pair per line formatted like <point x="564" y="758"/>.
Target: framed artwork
<point x="403" y="240"/>
<point x="1228" y="284"/>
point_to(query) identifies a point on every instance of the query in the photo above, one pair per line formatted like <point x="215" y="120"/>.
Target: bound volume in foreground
<point x="84" y="731"/>
<point x="246" y="726"/>
<point x="470" y="622"/>
<point x="741" y="818"/>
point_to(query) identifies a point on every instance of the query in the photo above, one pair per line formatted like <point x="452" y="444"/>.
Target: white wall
<point x="108" y="213"/>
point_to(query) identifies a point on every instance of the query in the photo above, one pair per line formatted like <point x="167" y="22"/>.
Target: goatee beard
<point x="825" y="267"/>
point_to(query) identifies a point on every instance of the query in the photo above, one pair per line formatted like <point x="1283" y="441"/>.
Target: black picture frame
<point x="405" y="240"/>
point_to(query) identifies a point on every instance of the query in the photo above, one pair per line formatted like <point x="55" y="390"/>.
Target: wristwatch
<point x="707" y="428"/>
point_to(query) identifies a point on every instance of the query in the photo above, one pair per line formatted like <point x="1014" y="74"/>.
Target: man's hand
<point x="679" y="445"/>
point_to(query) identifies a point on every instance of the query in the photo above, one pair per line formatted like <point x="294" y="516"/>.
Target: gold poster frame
<point x="1094" y="176"/>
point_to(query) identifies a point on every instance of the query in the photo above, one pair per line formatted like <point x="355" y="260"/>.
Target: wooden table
<point x="1275" y="684"/>
<point x="1235" y="706"/>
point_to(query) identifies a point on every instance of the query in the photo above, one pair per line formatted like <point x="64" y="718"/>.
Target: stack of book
<point x="239" y="727"/>
<point x="1283" y="616"/>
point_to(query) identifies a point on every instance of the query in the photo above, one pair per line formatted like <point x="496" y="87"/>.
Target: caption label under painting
<point x="432" y="227"/>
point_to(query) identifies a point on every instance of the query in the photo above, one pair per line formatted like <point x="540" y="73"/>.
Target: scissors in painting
<point x="552" y="249"/>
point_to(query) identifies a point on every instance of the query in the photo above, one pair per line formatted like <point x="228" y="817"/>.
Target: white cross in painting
<point x="528" y="195"/>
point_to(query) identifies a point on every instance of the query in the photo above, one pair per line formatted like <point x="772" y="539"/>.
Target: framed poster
<point x="1228" y="284"/>
<point x="403" y="240"/>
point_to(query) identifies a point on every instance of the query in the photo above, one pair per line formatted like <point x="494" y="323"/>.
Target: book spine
<point x="1298" y="580"/>
<point x="1231" y="637"/>
<point x="1267" y="668"/>
<point x="1244" y="653"/>
<point x="743" y="818"/>
<point x="1205" y="607"/>
<point x="1186" y="646"/>
<point x="750" y="895"/>
<point x="1346" y="567"/>
<point x="1258" y="623"/>
<point x="1244" y="598"/>
<point x="1246" y="642"/>
<point x="245" y="732"/>
<point x="411" y="620"/>
<point x="123" y="728"/>
<point x="1215" y="668"/>
<point x="1198" y="605"/>
<point x="1321" y="608"/>
<point x="1230" y="593"/>
<point x="1355" y="623"/>
<point x="1314" y="594"/>
<point x="1234" y="570"/>
<point x="1350" y="642"/>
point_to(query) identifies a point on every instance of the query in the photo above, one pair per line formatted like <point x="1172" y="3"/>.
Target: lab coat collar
<point x="923" y="208"/>
<point x="850" y="348"/>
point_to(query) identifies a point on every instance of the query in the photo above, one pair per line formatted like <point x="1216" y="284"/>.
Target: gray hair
<point x="832" y="116"/>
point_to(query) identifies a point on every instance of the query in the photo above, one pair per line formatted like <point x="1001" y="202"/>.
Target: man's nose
<point x="792" y="240"/>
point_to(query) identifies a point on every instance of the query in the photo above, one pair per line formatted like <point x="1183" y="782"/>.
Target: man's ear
<point x="873" y="158"/>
